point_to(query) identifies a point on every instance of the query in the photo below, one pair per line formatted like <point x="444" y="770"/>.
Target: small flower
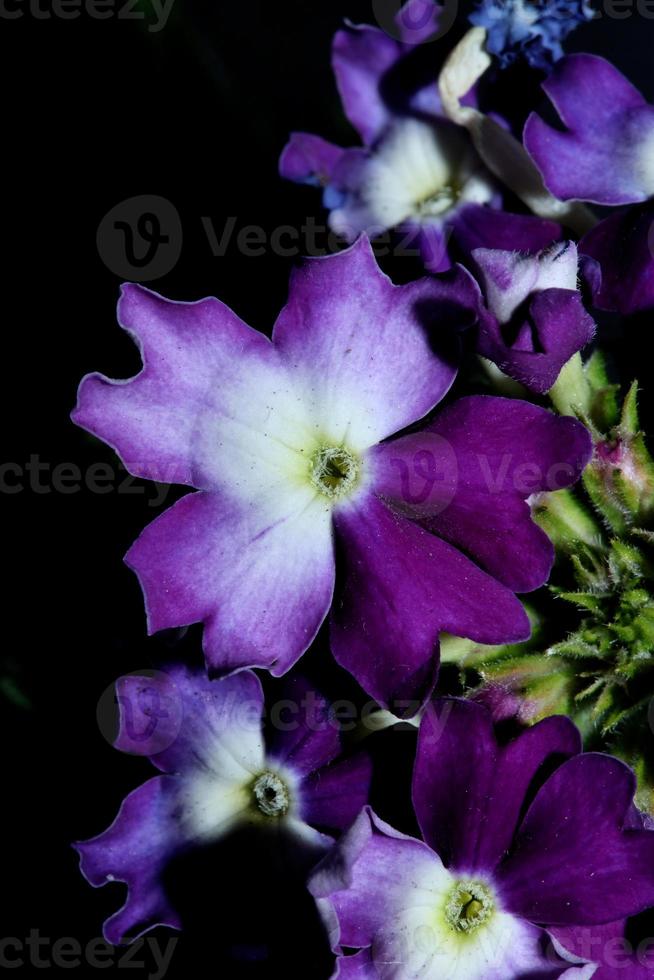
<point x="529" y="29"/>
<point x="218" y="774"/>
<point x="287" y="443"/>
<point x="534" y="320"/>
<point x="520" y="840"/>
<point x="417" y="172"/>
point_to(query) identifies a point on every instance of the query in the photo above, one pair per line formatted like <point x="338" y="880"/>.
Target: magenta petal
<point x="309" y="159"/>
<point x="135" y="850"/>
<point x="623" y="244"/>
<point x="364" y="344"/>
<point x="468" y="791"/>
<point x="572" y="861"/>
<point x="400" y="587"/>
<point x="605" y="153"/>
<point x="263" y="591"/>
<point x="360" y="57"/>
<point x="177" y="718"/>
<point x="188" y="350"/>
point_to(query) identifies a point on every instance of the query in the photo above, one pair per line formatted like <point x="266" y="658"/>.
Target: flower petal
<point x="469" y="792"/>
<point x="605" y="154"/>
<point x="400" y="587"/>
<point x="189" y="351"/>
<point x="478" y="226"/>
<point x="358" y="967"/>
<point x="182" y="721"/>
<point x="360" y="344"/>
<point x="135" y="850"/>
<point x="309" y="159"/>
<point x="368" y="874"/>
<point x="623" y="244"/>
<point x="260" y="578"/>
<point x="572" y="862"/>
<point x="360" y="57"/>
<point x="466" y="477"/>
<point x="333" y="796"/>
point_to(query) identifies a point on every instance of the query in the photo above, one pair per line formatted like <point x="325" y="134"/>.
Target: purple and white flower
<point x="519" y="840"/>
<point x="417" y="172"/>
<point x="218" y="773"/>
<point x="286" y="442"/>
<point x="534" y="320"/>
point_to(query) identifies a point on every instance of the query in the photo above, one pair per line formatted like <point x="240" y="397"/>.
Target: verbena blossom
<point x="603" y="154"/>
<point x="416" y="172"/>
<point x="287" y="443"/>
<point x="218" y="774"/>
<point x="520" y="840"/>
<point x="529" y="29"/>
<point x="534" y="319"/>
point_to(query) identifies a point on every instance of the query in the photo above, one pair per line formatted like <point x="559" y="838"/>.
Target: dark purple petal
<point x="309" y="159"/>
<point x="189" y="350"/>
<point x="364" y="344"/>
<point x="262" y="589"/>
<point x="177" y="718"/>
<point x="605" y="153"/>
<point x="361" y="55"/>
<point x="607" y="946"/>
<point x="477" y="226"/>
<point x="135" y="849"/>
<point x="466" y="478"/>
<point x="302" y="731"/>
<point x="400" y="587"/>
<point x="557" y="327"/>
<point x="572" y="862"/>
<point x="333" y="796"/>
<point x="623" y="244"/>
<point x="468" y="791"/>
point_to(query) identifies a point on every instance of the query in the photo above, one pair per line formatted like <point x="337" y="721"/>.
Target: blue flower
<point x="531" y="29"/>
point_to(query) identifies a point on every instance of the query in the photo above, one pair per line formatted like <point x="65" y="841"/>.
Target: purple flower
<point x="520" y="839"/>
<point x="218" y="774"/>
<point x="529" y="29"/>
<point x="286" y="442"/>
<point x="605" y="154"/>
<point x="534" y="320"/>
<point x="417" y="172"/>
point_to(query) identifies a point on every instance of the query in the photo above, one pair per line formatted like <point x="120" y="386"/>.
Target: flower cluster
<point x="389" y="472"/>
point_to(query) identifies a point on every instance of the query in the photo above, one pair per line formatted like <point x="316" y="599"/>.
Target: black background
<point x="94" y="112"/>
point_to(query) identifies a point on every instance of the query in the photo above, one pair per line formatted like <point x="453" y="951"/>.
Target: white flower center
<point x="334" y="471"/>
<point x="271" y="794"/>
<point x="421" y="171"/>
<point x="469" y="905"/>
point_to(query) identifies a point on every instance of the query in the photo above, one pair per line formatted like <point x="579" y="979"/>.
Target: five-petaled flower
<point x="287" y="442"/>
<point x="218" y="773"/>
<point x="523" y="843"/>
